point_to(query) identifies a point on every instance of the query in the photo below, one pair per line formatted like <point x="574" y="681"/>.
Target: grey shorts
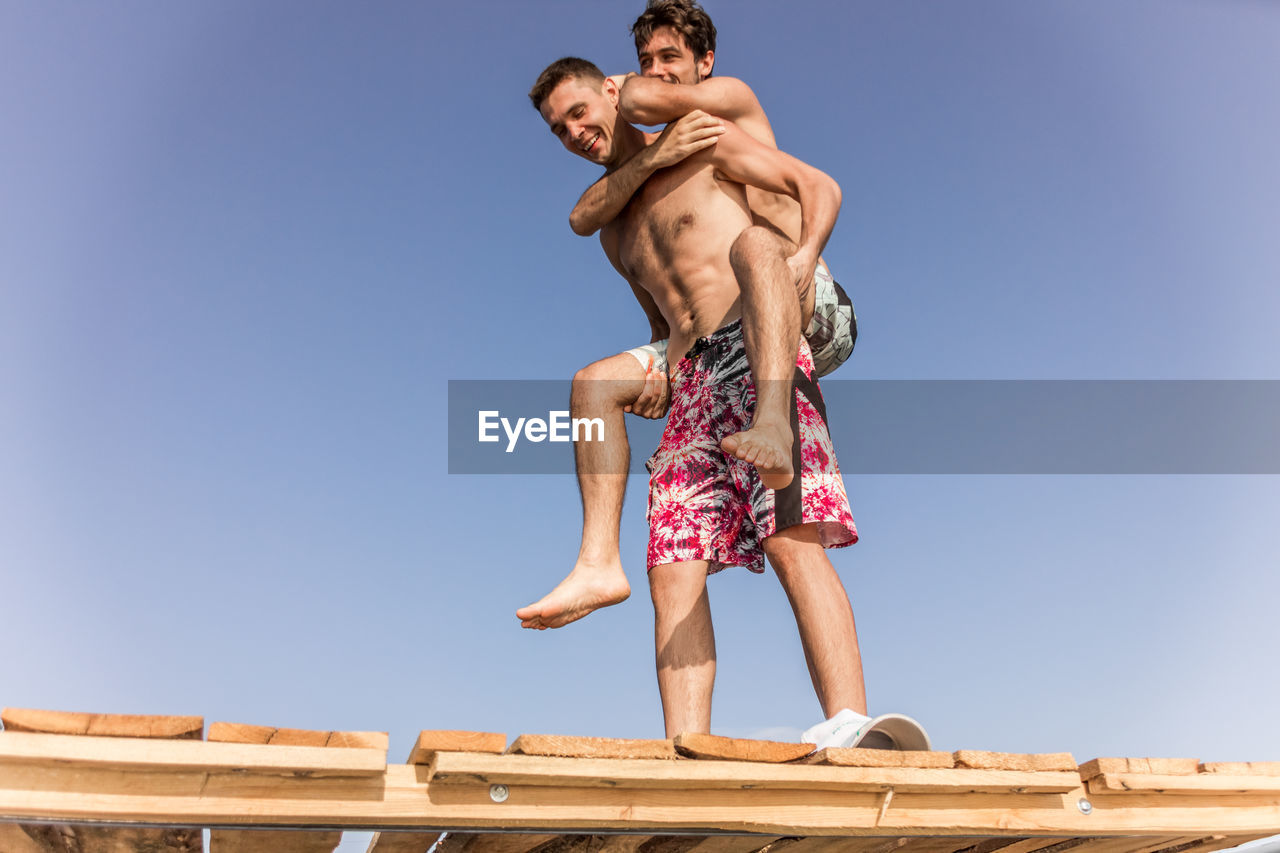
<point x="831" y="333"/>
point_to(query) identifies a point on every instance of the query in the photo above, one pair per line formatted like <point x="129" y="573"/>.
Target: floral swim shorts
<point x="706" y="505"/>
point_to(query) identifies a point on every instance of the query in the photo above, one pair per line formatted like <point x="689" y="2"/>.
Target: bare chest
<point x="676" y="206"/>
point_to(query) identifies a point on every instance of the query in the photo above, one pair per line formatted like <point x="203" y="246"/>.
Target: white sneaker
<point x="849" y="729"/>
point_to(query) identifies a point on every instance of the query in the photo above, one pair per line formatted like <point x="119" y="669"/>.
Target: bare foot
<point x="585" y="589"/>
<point x="766" y="447"/>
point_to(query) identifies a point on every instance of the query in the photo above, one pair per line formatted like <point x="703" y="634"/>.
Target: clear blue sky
<point x="243" y="247"/>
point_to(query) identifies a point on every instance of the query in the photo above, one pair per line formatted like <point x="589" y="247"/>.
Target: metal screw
<point x="1085" y="806"/>
<point x="499" y="793"/>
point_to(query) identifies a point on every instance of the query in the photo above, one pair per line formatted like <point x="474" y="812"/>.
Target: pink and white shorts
<point x="704" y="504"/>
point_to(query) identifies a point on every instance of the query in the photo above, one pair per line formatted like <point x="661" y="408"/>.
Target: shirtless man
<point x="675" y="243"/>
<point x="675" y="43"/>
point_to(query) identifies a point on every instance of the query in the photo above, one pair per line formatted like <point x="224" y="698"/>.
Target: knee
<point x="795" y="552"/>
<point x="754" y="246"/>
<point x="675" y="588"/>
<point x="604" y="382"/>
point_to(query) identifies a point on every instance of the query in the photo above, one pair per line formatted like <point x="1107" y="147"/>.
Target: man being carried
<point x="677" y="242"/>
<point x="675" y="42"/>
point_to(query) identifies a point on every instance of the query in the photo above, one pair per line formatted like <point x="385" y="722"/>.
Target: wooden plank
<point x="403" y="798"/>
<point x="269" y="841"/>
<point x="578" y="843"/>
<point x="431" y="741"/>
<point x="729" y="844"/>
<point x="878" y="844"/>
<point x="473" y="842"/>
<point x="1031" y="845"/>
<point x="14" y="840"/>
<point x="1155" y="766"/>
<point x="77" y="726"/>
<point x="1128" y="844"/>
<point x="243" y="733"/>
<point x="697" y="745"/>
<point x="101" y="725"/>
<point x="1215" y="842"/>
<point x="119" y="753"/>
<point x="402" y="842"/>
<point x="53" y="838"/>
<point x="1242" y="768"/>
<point x="272" y="841"/>
<point x="475" y="768"/>
<point x="1014" y="760"/>
<point x="707" y="844"/>
<point x="1202" y="783"/>
<point x="591" y="747"/>
<point x="843" y="757"/>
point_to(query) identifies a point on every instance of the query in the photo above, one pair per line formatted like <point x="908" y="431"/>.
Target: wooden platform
<point x="110" y="784"/>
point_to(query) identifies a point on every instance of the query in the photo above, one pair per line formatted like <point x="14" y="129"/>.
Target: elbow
<point x="636" y="109"/>
<point x="631" y="111"/>
<point x="580" y="225"/>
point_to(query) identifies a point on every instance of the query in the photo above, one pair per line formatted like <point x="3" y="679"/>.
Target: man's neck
<point x="627" y="140"/>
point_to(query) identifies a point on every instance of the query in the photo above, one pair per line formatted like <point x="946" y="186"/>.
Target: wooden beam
<point x="272" y="841"/>
<point x="404" y="798"/>
<point x="592" y="747"/>
<point x="54" y="838"/>
<point x="178" y="755"/>
<point x="1200" y="784"/>
<point x="70" y="727"/>
<point x="697" y="745"/>
<point x="726" y="844"/>
<point x="269" y="841"/>
<point x="105" y="725"/>
<point x="472" y="768"/>
<point x="13" y="839"/>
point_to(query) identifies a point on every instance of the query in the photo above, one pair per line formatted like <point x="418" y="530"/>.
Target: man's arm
<point x="606" y="198"/>
<point x="743" y="159"/>
<point x="650" y="101"/>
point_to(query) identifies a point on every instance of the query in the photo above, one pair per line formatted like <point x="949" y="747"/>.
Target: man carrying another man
<point x="684" y="240"/>
<point x="675" y="43"/>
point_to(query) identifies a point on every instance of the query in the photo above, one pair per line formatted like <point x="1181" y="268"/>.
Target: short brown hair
<point x="568" y="68"/>
<point x="685" y="17"/>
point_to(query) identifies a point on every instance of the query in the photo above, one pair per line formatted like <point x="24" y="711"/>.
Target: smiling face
<point x="667" y="56"/>
<point x="584" y="117"/>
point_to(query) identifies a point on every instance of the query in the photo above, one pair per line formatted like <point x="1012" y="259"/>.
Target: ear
<point x="705" y="64"/>
<point x="610" y="89"/>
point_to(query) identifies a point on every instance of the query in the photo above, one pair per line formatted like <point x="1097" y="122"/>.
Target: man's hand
<point x="684" y="136"/>
<point x="655" y="397"/>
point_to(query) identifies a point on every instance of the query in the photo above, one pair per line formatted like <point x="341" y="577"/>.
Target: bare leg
<point x="771" y="329"/>
<point x="823" y="615"/>
<point x="600" y="390"/>
<point x="685" y="643"/>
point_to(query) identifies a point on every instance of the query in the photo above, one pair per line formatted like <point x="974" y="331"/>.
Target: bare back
<point x="673" y="239"/>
